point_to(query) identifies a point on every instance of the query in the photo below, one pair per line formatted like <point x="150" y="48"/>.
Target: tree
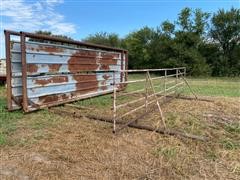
<point x="225" y="31"/>
<point x="168" y="28"/>
<point x="138" y="44"/>
<point x="188" y="38"/>
<point x="184" y="20"/>
<point x="104" y="38"/>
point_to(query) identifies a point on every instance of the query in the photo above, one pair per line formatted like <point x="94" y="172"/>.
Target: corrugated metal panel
<point x="3" y="67"/>
<point x="57" y="74"/>
<point x="2" y="71"/>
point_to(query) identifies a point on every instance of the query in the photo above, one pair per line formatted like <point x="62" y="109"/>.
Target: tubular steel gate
<point x="50" y="71"/>
<point x="157" y="84"/>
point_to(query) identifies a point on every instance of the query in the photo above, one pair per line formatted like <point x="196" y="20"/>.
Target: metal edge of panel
<point x="10" y="97"/>
<point x="126" y="67"/>
<point x="56" y="103"/>
<point x="24" y="72"/>
<point x="57" y="39"/>
<point x="12" y="32"/>
<point x="8" y="68"/>
<point x="122" y="55"/>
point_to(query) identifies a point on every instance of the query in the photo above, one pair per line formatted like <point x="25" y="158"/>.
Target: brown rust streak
<point x="73" y="68"/>
<point x="50" y="49"/>
<point x="53" y="98"/>
<point x="56" y="79"/>
<point x="83" y="92"/>
<point x="74" y="62"/>
<point x="109" y="55"/>
<point x="83" y="61"/>
<point x="86" y="87"/>
<point x="84" y="77"/>
<point x="54" y="67"/>
<point x="31" y="68"/>
<point x="90" y="61"/>
<point x="104" y="82"/>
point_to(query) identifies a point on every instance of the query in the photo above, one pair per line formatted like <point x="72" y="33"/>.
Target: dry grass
<point x="42" y="145"/>
<point x="70" y="148"/>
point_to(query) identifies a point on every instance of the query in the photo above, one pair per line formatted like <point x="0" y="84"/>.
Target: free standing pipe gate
<point x="173" y="80"/>
<point x="52" y="71"/>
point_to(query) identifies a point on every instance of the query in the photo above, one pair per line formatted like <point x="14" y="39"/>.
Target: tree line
<point x="207" y="44"/>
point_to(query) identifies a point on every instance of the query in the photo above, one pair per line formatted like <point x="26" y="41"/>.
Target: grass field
<point x="42" y="145"/>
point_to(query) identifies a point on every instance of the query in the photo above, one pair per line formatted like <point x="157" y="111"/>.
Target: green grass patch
<point x="8" y="121"/>
<point x="225" y="87"/>
<point x="210" y="154"/>
<point x="167" y="152"/>
<point x="2" y="139"/>
<point x="233" y="128"/>
<point x="229" y="144"/>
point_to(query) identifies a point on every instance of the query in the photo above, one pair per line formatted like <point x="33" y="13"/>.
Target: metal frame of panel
<point x="10" y="98"/>
<point x="27" y="79"/>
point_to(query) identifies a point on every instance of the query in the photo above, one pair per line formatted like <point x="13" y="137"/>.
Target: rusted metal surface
<point x="45" y="74"/>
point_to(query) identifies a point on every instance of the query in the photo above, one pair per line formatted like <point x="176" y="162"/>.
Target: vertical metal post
<point x="146" y="93"/>
<point x="24" y="72"/>
<point x="9" y="71"/>
<point x="176" y="76"/>
<point x="114" y="102"/>
<point x="176" y="90"/>
<point x="165" y="81"/>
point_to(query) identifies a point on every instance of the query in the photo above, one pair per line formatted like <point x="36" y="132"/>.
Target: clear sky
<point x="79" y="18"/>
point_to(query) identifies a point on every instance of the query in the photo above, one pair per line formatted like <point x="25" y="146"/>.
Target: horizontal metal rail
<point x="162" y="77"/>
<point x="143" y="98"/>
<point x="129" y="93"/>
<point x="142" y="106"/>
<point x="143" y="80"/>
<point x="150" y="70"/>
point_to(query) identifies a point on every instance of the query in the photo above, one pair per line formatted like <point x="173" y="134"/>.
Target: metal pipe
<point x="9" y="71"/>
<point x="145" y="70"/>
<point x="114" y="103"/>
<point x="133" y="92"/>
<point x="24" y="72"/>
<point x="143" y="80"/>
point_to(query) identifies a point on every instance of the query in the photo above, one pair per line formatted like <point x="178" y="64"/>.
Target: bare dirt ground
<point x="81" y="148"/>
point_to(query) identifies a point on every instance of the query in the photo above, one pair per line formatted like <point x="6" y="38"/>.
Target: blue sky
<point x="79" y="18"/>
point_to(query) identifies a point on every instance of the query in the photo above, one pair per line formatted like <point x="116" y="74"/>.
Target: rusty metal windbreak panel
<point x="46" y="74"/>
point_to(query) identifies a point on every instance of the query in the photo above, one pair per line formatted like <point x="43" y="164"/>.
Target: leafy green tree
<point x="189" y="36"/>
<point x="225" y="31"/>
<point x="138" y="44"/>
<point x="168" y="28"/>
<point x="104" y="38"/>
<point x="205" y="46"/>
